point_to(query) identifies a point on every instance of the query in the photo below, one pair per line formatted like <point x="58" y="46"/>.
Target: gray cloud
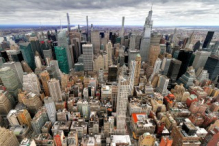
<point x="165" y="12"/>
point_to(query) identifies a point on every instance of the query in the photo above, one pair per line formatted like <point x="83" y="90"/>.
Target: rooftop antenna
<point x="68" y="23"/>
<point x="152" y="6"/>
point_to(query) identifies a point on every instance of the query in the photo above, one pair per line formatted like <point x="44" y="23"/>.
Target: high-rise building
<point x="156" y="69"/>
<point x="64" y="80"/>
<point x="10" y="80"/>
<point x="112" y="74"/>
<point x="31" y="83"/>
<point x="212" y="66"/>
<point x="132" y="42"/>
<point x="17" y="68"/>
<point x="39" y="120"/>
<point x="122" y="102"/>
<point x="184" y="56"/>
<point x="121" y="34"/>
<point x="54" y="70"/>
<point x="137" y="69"/>
<point x="154" y="52"/>
<point x="88" y="57"/>
<point x="63" y="41"/>
<point x="24" y="117"/>
<point x="132" y="55"/>
<point x="55" y="90"/>
<point x="32" y="102"/>
<point x="12" y="118"/>
<point x="95" y="40"/>
<point x="208" y="39"/>
<point x="5" y="104"/>
<point x="145" y="41"/>
<point x="50" y="108"/>
<point x="165" y="65"/>
<point x="189" y="43"/>
<point x="173" y="69"/>
<point x="15" y="55"/>
<point x="26" y="67"/>
<point x="8" y="138"/>
<point x="38" y="61"/>
<point x="28" y="54"/>
<point x="62" y="59"/>
<point x="162" y="85"/>
<point x="44" y="77"/>
<point x="109" y="50"/>
<point x="48" y="55"/>
<point x="98" y="63"/>
<point x="187" y="78"/>
<point x="201" y="58"/>
<point x="35" y="46"/>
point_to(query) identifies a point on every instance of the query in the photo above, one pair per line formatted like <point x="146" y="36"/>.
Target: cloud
<point x="110" y="12"/>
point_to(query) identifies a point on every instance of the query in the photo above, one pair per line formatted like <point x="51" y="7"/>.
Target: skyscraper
<point x="8" y="138"/>
<point x="5" y="103"/>
<point x="112" y="74"/>
<point x="88" y="57"/>
<point x="28" y="54"/>
<point x="15" y="55"/>
<point x="212" y="66"/>
<point x="132" y="55"/>
<point x="17" y="68"/>
<point x="95" y="40"/>
<point x="10" y="80"/>
<point x="32" y="102"/>
<point x="184" y="56"/>
<point x="55" y="90"/>
<point x="145" y="41"/>
<point x="132" y="42"/>
<point x="62" y="59"/>
<point x="208" y="39"/>
<point x="39" y="120"/>
<point x="26" y="67"/>
<point x="44" y="77"/>
<point x="122" y="101"/>
<point x="38" y="60"/>
<point x="162" y="85"/>
<point x="166" y="64"/>
<point x="173" y="70"/>
<point x="63" y="41"/>
<point x="24" y="117"/>
<point x="54" y="70"/>
<point x="31" y="83"/>
<point x="121" y="34"/>
<point x="50" y="108"/>
<point x="98" y="62"/>
<point x="137" y="69"/>
<point x="156" y="68"/>
<point x="35" y="46"/>
<point x="109" y="53"/>
<point x="200" y="59"/>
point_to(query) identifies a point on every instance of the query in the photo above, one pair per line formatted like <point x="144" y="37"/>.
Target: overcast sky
<point x="110" y="12"/>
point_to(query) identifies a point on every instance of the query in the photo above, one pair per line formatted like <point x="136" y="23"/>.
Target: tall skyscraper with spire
<point x="145" y="41"/>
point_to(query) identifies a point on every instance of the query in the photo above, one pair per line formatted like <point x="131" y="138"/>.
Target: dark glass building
<point x="184" y="56"/>
<point x="112" y="74"/>
<point x="208" y="39"/>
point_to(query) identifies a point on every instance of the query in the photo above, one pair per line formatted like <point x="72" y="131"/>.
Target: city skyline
<point x="110" y="12"/>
